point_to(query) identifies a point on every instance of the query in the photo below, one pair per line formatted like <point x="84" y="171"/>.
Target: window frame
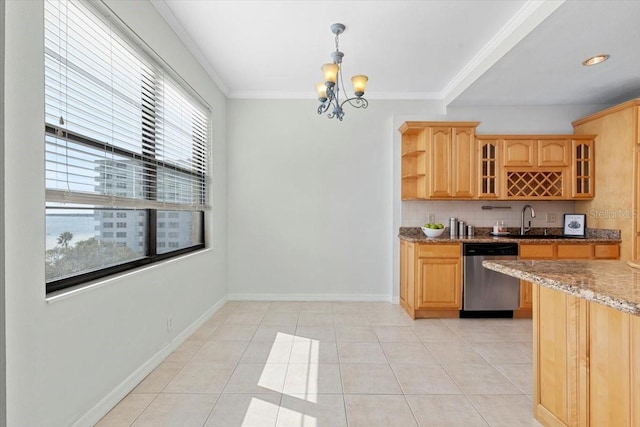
<point x="151" y="164"/>
<point x="85" y="278"/>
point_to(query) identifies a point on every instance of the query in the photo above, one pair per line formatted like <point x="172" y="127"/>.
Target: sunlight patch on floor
<point x="302" y="378"/>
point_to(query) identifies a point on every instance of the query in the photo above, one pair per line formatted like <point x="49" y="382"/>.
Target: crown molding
<point x="307" y="95"/>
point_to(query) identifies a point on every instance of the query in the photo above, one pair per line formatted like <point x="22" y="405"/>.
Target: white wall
<point x="314" y="206"/>
<point x="311" y="200"/>
<point x="64" y="357"/>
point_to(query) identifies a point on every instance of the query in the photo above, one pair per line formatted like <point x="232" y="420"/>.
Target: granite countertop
<point x="609" y="282"/>
<point x="481" y="235"/>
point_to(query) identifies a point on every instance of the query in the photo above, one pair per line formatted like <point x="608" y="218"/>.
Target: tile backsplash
<point x="416" y="212"/>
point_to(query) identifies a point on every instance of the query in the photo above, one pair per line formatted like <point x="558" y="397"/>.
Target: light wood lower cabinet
<point x="559" y="251"/>
<point x="431" y="279"/>
<point x="555" y="350"/>
<point x="406" y="273"/>
<point x="439" y="283"/>
<point x="613" y="392"/>
<point x="586" y="362"/>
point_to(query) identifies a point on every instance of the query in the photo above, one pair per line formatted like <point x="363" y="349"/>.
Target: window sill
<point x="88" y="286"/>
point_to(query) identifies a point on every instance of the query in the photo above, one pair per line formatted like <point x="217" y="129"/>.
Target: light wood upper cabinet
<point x="535" y="167"/>
<point x="489" y="167"/>
<point x="464" y="162"/>
<point x="519" y="152"/>
<point x="451" y="154"/>
<point x="533" y="151"/>
<point x="414" y="162"/>
<point x="582" y="168"/>
<point x="554" y="152"/>
<point x="438" y="160"/>
<point x="447" y="160"/>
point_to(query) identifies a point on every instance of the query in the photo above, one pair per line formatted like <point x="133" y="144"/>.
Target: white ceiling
<point x="487" y="52"/>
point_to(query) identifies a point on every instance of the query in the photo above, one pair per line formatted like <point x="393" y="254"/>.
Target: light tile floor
<point x="315" y="364"/>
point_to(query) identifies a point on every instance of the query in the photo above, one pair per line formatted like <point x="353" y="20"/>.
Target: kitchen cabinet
<point x="431" y="273"/>
<point x="554" y="152"/>
<point x="406" y="273"/>
<point x="431" y="279"/>
<point x="586" y="362"/>
<point x="613" y="340"/>
<point x="618" y="178"/>
<point x="548" y="167"/>
<point x="535" y="167"/>
<point x="537" y="150"/>
<point x="438" y="160"/>
<point x="519" y="152"/>
<point x="414" y="162"/>
<point x="556" y="363"/>
<point x="447" y="160"/>
<point x="582" y="172"/>
<point x="451" y="154"/>
<point x="577" y="251"/>
<point x="489" y="168"/>
<point x="559" y="251"/>
<point x="533" y="252"/>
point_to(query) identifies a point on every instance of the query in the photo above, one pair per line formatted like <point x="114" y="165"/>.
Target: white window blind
<point x="120" y="131"/>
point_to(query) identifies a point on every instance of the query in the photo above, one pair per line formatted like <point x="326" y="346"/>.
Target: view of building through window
<point x="126" y="150"/>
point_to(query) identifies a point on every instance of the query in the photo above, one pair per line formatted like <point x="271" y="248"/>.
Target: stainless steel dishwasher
<point x="486" y="290"/>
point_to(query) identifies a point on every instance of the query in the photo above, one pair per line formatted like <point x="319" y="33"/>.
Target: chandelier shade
<point x="330" y="72"/>
<point x="329" y="89"/>
<point x="359" y="84"/>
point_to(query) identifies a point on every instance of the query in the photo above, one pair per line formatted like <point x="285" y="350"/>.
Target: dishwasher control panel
<point x="490" y="249"/>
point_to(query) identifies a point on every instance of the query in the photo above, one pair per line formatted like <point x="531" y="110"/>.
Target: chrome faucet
<point x="533" y="215"/>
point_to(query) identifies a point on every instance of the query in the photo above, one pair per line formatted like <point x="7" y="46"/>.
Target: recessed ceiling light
<point x="595" y="59"/>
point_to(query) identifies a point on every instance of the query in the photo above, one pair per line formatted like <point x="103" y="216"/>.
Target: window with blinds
<point x="126" y="151"/>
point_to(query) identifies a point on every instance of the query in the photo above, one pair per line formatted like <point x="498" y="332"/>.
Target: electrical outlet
<point x="169" y="323"/>
<point x="551" y="217"/>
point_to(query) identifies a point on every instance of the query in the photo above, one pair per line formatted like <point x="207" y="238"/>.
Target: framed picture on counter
<point x="575" y="225"/>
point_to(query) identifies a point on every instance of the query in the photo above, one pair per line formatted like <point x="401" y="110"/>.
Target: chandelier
<point x="329" y="89"/>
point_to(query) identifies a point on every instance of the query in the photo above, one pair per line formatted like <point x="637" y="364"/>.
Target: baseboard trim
<point x="116" y="395"/>
<point x="311" y="297"/>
